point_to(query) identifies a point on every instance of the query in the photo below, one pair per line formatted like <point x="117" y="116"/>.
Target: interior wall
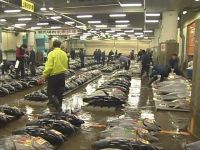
<point x="123" y="46"/>
<point x="10" y="40"/>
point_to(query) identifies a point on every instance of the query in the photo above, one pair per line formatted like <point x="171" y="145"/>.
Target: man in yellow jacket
<point x="54" y="73"/>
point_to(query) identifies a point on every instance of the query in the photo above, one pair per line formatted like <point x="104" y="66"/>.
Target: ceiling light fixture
<point x="12" y="11"/>
<point x="122" y="26"/>
<point x="55" y="27"/>
<point x="94" y="22"/>
<point x="185" y="12"/>
<point x="122" y="21"/>
<point x="137" y="28"/>
<point x="50" y="8"/>
<point x="2" y="20"/>
<point x="151" y="21"/>
<point x="138" y="33"/>
<point x="121" y="33"/>
<point x="56" y="17"/>
<point x="70" y="22"/>
<point x="43" y="9"/>
<point x="148" y="31"/>
<point x="101" y="26"/>
<point x="152" y="14"/>
<point x="24" y="19"/>
<point x="117" y="15"/>
<point x="43" y="24"/>
<point x="131" y="5"/>
<point x="197" y="0"/>
<point x="84" y="16"/>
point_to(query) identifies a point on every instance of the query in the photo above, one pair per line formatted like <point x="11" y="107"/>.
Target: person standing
<point x="32" y="58"/>
<point x="174" y="63"/>
<point x="110" y="55"/>
<point x="116" y="54"/>
<point x="146" y="60"/>
<point x="103" y="57"/>
<point x="82" y="58"/>
<point x="54" y="73"/>
<point x="95" y="55"/>
<point x="99" y="56"/>
<point x="21" y="57"/>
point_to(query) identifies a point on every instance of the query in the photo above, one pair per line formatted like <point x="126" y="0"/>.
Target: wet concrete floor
<point x="142" y="105"/>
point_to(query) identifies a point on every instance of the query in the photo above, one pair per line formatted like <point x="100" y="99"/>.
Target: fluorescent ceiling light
<point x="146" y="38"/>
<point x="129" y="31"/>
<point x="43" y="24"/>
<point x="24" y="19"/>
<point x="70" y="22"/>
<point x="12" y="11"/>
<point x="55" y="27"/>
<point x="111" y="31"/>
<point x="138" y="33"/>
<point x="116" y="35"/>
<point x="153" y="14"/>
<point x="84" y="16"/>
<point x="185" y="12"/>
<point x="131" y="5"/>
<point x="20" y="24"/>
<point x="43" y="9"/>
<point x="151" y="21"/>
<point x="92" y="31"/>
<point x="148" y="31"/>
<point x="35" y="28"/>
<point x="50" y="8"/>
<point x="121" y="33"/>
<point x="101" y="26"/>
<point x="86" y="33"/>
<point x="117" y="15"/>
<point x="122" y="21"/>
<point x="94" y="22"/>
<point x="56" y="17"/>
<point x="197" y="0"/>
<point x="2" y="20"/>
<point x="121" y="26"/>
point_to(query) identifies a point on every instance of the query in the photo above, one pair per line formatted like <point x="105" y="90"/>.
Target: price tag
<point x="40" y="141"/>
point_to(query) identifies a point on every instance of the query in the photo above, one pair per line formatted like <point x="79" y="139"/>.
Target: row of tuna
<point x="112" y="93"/>
<point x="70" y="84"/>
<point x="45" y="133"/>
<point x="8" y="114"/>
<point x="173" y="93"/>
<point x="110" y="68"/>
<point x="10" y="87"/>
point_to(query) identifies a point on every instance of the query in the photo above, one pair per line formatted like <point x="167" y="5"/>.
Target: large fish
<point x="9" y="87"/>
<point x="52" y="136"/>
<point x="24" y="142"/>
<point x="74" y="120"/>
<point x="3" y="91"/>
<point x="62" y="126"/>
<point x="5" y="118"/>
<point x="122" y="144"/>
<point x="13" y="111"/>
<point x="36" y="96"/>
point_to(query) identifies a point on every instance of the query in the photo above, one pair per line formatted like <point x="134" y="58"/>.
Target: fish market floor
<point x="143" y="105"/>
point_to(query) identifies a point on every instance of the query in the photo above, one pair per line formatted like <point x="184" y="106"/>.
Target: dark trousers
<point x="20" y="69"/>
<point x="82" y="63"/>
<point x="145" y="69"/>
<point x="55" y="89"/>
<point x="32" y="69"/>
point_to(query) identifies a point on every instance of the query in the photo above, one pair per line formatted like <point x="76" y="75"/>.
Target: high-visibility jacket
<point x="56" y="63"/>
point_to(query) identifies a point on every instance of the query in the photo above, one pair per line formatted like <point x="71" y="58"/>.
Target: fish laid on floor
<point x="52" y="136"/>
<point x="36" y="96"/>
<point x="62" y="126"/>
<point x="13" y="111"/>
<point x="74" y="120"/>
<point x="24" y="142"/>
<point x="123" y="144"/>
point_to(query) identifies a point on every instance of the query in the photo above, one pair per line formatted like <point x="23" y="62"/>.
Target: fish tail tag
<point x="56" y="132"/>
<point x="144" y="141"/>
<point x="40" y="140"/>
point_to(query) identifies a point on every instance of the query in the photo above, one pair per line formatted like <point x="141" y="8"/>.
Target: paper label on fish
<point x="56" y="132"/>
<point x="17" y="64"/>
<point x="40" y="141"/>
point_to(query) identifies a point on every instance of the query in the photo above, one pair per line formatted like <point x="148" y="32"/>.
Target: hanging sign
<point x="27" y="5"/>
<point x="58" y="32"/>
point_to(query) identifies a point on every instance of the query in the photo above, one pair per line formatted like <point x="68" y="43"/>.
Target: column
<point x="1" y="38"/>
<point x="169" y="28"/>
<point x="194" y="127"/>
<point x="31" y="39"/>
